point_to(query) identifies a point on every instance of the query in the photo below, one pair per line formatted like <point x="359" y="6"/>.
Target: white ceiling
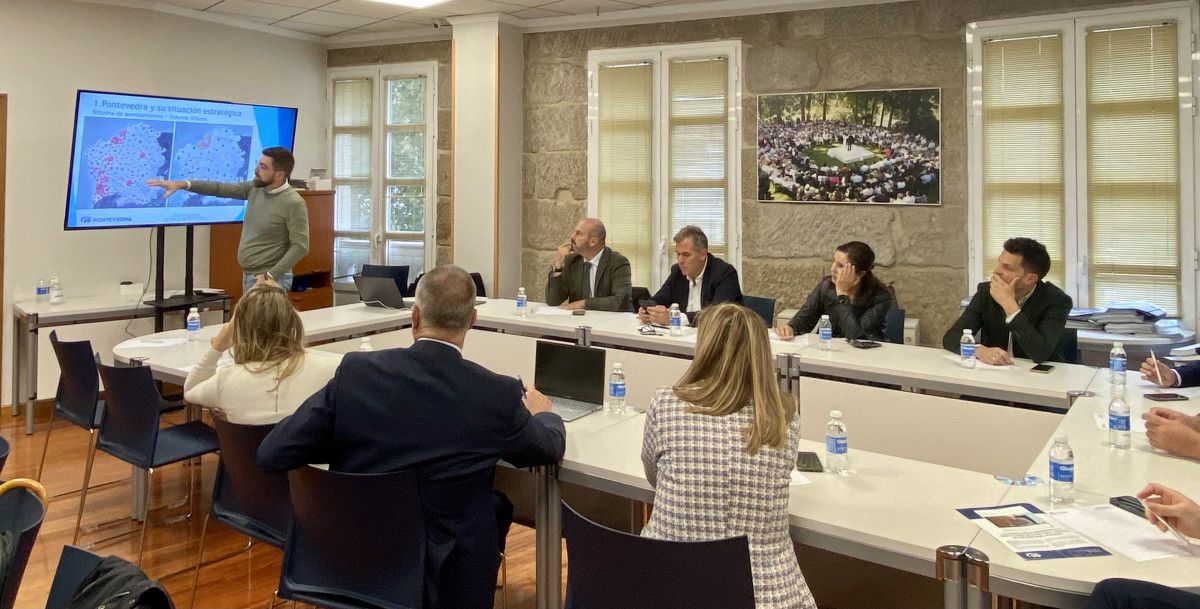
<point x="327" y="18"/>
<point x="348" y="23"/>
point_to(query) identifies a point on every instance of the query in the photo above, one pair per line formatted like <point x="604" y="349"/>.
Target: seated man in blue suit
<point x="698" y="279"/>
<point x="1168" y="429"/>
<point x="427" y="409"/>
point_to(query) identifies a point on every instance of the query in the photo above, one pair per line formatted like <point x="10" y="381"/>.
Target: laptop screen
<point x="570" y="371"/>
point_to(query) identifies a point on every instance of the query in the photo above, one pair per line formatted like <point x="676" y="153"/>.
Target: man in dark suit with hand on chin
<point x="427" y="409"/>
<point x="1016" y="313"/>
<point x="697" y="280"/>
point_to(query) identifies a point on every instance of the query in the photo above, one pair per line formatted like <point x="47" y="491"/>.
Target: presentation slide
<point x="122" y="140"/>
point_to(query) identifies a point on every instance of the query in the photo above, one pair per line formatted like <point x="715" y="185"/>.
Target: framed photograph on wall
<point x="870" y="147"/>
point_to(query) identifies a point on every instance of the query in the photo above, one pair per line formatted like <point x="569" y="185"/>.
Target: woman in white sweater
<point x="272" y="373"/>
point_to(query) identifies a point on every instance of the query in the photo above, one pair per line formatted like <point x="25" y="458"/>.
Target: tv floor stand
<point x="182" y="302"/>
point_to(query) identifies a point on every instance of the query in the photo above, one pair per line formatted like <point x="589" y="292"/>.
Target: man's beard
<point x="259" y="183"/>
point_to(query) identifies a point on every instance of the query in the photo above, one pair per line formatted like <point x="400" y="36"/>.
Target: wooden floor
<point x="245" y="580"/>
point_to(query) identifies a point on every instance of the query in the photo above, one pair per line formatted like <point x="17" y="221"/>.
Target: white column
<point x="488" y="67"/>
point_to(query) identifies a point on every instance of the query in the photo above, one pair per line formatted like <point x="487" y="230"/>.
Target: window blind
<point x="1133" y="165"/>
<point x="352" y="153"/>
<point x="698" y="127"/>
<point x="625" y="141"/>
<point x="1023" y="146"/>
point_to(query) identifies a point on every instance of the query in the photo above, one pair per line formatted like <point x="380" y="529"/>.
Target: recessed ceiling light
<point x="411" y="3"/>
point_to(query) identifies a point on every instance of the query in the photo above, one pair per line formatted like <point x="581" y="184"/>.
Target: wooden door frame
<point x="3" y="165"/>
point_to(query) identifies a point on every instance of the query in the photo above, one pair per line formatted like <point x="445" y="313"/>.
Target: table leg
<point x="18" y="336"/>
<point x="548" y="538"/>
<point x="31" y="348"/>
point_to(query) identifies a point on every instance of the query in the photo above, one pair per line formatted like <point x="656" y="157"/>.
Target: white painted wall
<point x="51" y="48"/>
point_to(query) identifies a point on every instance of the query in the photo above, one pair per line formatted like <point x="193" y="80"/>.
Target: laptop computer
<point x="379" y="292"/>
<point x="571" y="376"/>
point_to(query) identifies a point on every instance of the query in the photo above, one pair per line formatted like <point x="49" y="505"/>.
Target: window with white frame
<point x="1081" y="136"/>
<point x="663" y="135"/>
<point x="383" y="152"/>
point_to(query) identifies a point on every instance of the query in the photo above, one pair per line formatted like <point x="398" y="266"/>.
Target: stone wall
<point x="438" y="51"/>
<point x="786" y="247"/>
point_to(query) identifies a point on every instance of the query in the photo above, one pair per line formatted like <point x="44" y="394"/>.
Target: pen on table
<point x="1157" y="370"/>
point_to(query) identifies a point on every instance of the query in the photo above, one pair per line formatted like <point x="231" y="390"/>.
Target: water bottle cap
<point x="967" y="331"/>
<point x="194" y="310"/>
<point x="616" y="365"/>
<point x="674" y="306"/>
<point x="1116" y="343"/>
<point x="824" y="317"/>
<point x="1060" y="438"/>
<point x="835" y="414"/>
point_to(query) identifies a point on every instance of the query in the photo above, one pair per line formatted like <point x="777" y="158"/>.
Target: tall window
<point x="1081" y="137"/>
<point x="383" y="155"/>
<point x="662" y="150"/>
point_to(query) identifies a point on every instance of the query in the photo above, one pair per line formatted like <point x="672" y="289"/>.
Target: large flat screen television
<point x="121" y="140"/>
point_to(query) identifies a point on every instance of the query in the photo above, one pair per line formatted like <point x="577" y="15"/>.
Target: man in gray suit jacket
<point x="587" y="274"/>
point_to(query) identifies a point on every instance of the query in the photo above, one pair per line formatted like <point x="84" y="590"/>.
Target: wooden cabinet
<point x="313" y="274"/>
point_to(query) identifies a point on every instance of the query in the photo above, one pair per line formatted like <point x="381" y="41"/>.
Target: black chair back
<point x="73" y="567"/>
<point x="765" y="307"/>
<point x="78" y="398"/>
<point x="638" y="296"/>
<point x="614" y="570"/>
<point x="480" y="290"/>
<point x="246" y="497"/>
<point x="1067" y="350"/>
<point x="893" y="326"/>
<point x="342" y="553"/>
<point x="399" y="274"/>
<point x="129" y="430"/>
<point x="21" y="512"/>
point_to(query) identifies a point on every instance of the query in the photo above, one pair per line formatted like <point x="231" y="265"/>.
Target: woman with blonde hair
<point x="720" y="447"/>
<point x="271" y="374"/>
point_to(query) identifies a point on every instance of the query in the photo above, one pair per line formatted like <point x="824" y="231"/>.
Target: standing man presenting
<point x="275" y="228"/>
<point x="587" y="274"/>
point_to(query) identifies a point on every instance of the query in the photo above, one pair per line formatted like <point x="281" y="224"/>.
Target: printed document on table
<point x="1032" y="534"/>
<point x="1123" y="532"/>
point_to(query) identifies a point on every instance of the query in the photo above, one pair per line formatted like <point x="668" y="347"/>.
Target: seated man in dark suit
<point x="426" y="408"/>
<point x="698" y="280"/>
<point x="587" y="274"/>
<point x="1016" y="314"/>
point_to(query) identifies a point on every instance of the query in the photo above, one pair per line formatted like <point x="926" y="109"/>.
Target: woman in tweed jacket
<point x="720" y="447"/>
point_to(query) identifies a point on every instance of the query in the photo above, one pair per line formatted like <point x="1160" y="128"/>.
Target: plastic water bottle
<point x="365" y="344"/>
<point x="616" y="390"/>
<point x="1062" y="471"/>
<point x="837" y="459"/>
<point x="1116" y="369"/>
<point x="675" y="320"/>
<point x="825" y="333"/>
<point x="1118" y="422"/>
<point x="966" y="349"/>
<point x="193" y="324"/>
<point x="43" y="290"/>
<point x="56" y="291"/>
<point x="522" y="303"/>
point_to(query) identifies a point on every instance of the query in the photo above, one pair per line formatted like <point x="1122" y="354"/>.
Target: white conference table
<point x="922" y="368"/>
<point x="1101" y="472"/>
<point x="28" y="316"/>
<point x="857" y="515"/>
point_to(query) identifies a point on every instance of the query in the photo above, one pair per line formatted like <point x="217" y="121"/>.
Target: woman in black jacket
<point x="854" y="299"/>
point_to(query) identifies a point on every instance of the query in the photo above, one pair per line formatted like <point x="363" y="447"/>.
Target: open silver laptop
<point x="379" y="292"/>
<point x="571" y="376"/>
